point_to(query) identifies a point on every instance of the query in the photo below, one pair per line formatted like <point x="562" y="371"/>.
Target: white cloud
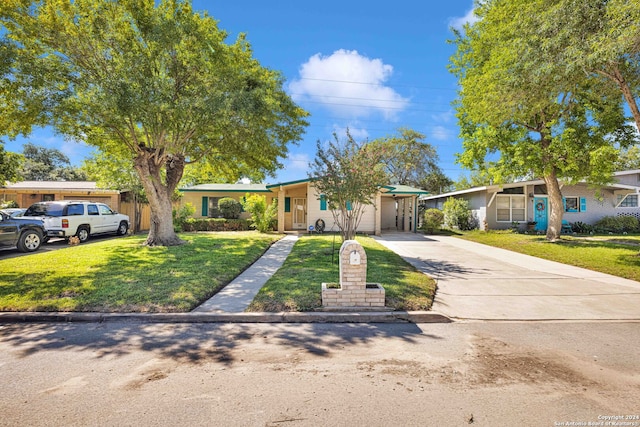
<point x="441" y="133"/>
<point x="299" y="161"/>
<point x="348" y="83"/>
<point x="359" y="134"/>
<point x="460" y="21"/>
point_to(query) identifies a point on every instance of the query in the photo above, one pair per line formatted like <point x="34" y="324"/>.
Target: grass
<point x="297" y="285"/>
<point x="120" y="275"/>
<point x="615" y="255"/>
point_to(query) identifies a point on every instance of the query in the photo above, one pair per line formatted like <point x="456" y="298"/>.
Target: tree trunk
<point x="161" y="232"/>
<point x="556" y="207"/>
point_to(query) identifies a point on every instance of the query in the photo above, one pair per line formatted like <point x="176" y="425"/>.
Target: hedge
<point x="215" y="224"/>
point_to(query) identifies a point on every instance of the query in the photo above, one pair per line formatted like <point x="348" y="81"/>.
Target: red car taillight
<point x="65" y="223"/>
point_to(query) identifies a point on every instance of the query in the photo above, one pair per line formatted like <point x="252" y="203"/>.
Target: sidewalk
<point x="237" y="295"/>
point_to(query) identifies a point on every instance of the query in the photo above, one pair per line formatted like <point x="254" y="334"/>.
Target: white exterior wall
<point x="389" y="212"/>
<point x="367" y="224"/>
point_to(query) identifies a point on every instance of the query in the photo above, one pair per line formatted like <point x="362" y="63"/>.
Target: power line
<point x="377" y="84"/>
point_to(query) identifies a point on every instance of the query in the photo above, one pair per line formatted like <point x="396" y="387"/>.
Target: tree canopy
<point x="524" y="113"/>
<point x="348" y="174"/>
<point x="153" y="82"/>
<point x="47" y="164"/>
<point x="408" y="160"/>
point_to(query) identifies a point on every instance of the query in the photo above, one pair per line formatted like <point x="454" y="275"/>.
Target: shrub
<point x="180" y="215"/>
<point x="581" y="227"/>
<point x="9" y="204"/>
<point x="457" y="214"/>
<point x="215" y="224"/>
<point x="432" y="220"/>
<point x="617" y="224"/>
<point x="229" y="208"/>
<point x="263" y="217"/>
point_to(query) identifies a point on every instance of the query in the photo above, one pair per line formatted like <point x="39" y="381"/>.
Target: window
<point x="91" y="209"/>
<point x="105" y="210"/>
<point x="574" y="204"/>
<point x="213" y="207"/>
<point x="628" y="201"/>
<point x="79" y="210"/>
<point x="510" y="208"/>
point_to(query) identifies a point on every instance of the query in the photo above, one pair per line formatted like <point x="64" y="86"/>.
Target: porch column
<point x="378" y="217"/>
<point x="281" y="210"/>
<point x="414" y="208"/>
<point x="407" y="214"/>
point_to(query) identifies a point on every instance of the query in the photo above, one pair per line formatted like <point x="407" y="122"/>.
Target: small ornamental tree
<point x="457" y="214"/>
<point x="348" y="175"/>
<point x="432" y="220"/>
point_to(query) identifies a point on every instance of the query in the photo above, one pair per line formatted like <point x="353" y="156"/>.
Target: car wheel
<point x="83" y="234"/>
<point x="29" y="241"/>
<point x="122" y="228"/>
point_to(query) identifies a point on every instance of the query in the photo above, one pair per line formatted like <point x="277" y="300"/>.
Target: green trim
<point x="187" y="190"/>
<point x="323" y="202"/>
<point x="205" y="206"/>
<point x="300" y="181"/>
<point x="287" y="204"/>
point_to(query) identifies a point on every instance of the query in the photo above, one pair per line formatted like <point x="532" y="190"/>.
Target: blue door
<point x="540" y="213"/>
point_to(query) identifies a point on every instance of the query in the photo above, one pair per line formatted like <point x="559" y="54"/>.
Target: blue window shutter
<point x="583" y="204"/>
<point x="348" y="205"/>
<point x="564" y="204"/>
<point x="287" y="204"/>
<point x="323" y="202"/>
<point x="205" y="206"/>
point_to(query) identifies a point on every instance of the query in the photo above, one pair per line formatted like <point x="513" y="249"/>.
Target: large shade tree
<point x="47" y="164"/>
<point x="152" y="80"/>
<point x="523" y="114"/>
<point x="409" y="160"/>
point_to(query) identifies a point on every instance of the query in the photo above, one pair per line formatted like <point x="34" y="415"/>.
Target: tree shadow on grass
<point x="197" y="343"/>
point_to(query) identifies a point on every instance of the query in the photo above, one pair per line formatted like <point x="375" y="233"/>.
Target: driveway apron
<point x="476" y="281"/>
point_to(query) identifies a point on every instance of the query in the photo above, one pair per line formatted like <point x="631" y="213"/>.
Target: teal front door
<point x="540" y="213"/>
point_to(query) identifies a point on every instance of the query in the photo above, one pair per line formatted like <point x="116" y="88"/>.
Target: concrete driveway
<point x="476" y="281"/>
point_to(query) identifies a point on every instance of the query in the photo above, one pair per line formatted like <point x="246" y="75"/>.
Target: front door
<point x="299" y="214"/>
<point x="540" y="214"/>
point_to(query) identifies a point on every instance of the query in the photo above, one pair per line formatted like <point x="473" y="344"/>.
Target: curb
<point x="282" y="317"/>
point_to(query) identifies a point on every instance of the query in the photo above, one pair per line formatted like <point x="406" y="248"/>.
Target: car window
<point x="105" y="210"/>
<point x="75" y="210"/>
<point x="92" y="210"/>
<point x="45" y="209"/>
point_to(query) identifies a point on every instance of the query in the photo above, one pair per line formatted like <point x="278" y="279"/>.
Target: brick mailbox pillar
<point x="354" y="291"/>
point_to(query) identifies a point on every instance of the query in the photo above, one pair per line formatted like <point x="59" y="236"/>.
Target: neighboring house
<point x="395" y="205"/>
<point x="26" y="193"/>
<point x="499" y="206"/>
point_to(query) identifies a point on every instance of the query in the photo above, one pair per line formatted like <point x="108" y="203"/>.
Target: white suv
<point x="78" y="218"/>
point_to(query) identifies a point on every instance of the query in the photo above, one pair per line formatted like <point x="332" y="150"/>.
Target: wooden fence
<point x="140" y="221"/>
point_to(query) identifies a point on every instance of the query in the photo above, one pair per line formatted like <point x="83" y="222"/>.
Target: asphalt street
<point x="480" y="373"/>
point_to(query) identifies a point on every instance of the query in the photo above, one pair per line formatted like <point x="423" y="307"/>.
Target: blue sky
<point x="370" y="66"/>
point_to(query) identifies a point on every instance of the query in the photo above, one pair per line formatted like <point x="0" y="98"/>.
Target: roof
<point x="229" y="188"/>
<point x="57" y="185"/>
<point x="278" y="184"/>
<point x="403" y="189"/>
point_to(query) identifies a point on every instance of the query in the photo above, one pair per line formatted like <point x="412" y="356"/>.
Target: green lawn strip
<point x="615" y="255"/>
<point x="297" y="285"/>
<point x="121" y="275"/>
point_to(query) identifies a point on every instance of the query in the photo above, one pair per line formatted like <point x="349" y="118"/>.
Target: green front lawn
<point x="120" y="275"/>
<point x="297" y="285"/>
<point x="616" y="255"/>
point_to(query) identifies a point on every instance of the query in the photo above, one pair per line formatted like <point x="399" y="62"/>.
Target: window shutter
<point x="205" y="206"/>
<point x="287" y="204"/>
<point x="348" y="205"/>
<point x="323" y="202"/>
<point x="564" y="204"/>
<point x="583" y="204"/>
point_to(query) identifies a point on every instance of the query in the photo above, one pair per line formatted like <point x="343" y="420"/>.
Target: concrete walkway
<point x="476" y="281"/>
<point x="237" y="295"/>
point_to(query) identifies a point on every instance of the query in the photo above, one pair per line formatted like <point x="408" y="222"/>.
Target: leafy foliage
<point x="432" y="220"/>
<point x="9" y="166"/>
<point x="617" y="224"/>
<point x="229" y="208"/>
<point x="349" y="175"/>
<point x="47" y="164"/>
<point x="181" y="214"/>
<point x="457" y="214"/>
<point x="151" y="82"/>
<point x="408" y="160"/>
<point x="215" y="224"/>
<point x="263" y="217"/>
<point x="524" y="112"/>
